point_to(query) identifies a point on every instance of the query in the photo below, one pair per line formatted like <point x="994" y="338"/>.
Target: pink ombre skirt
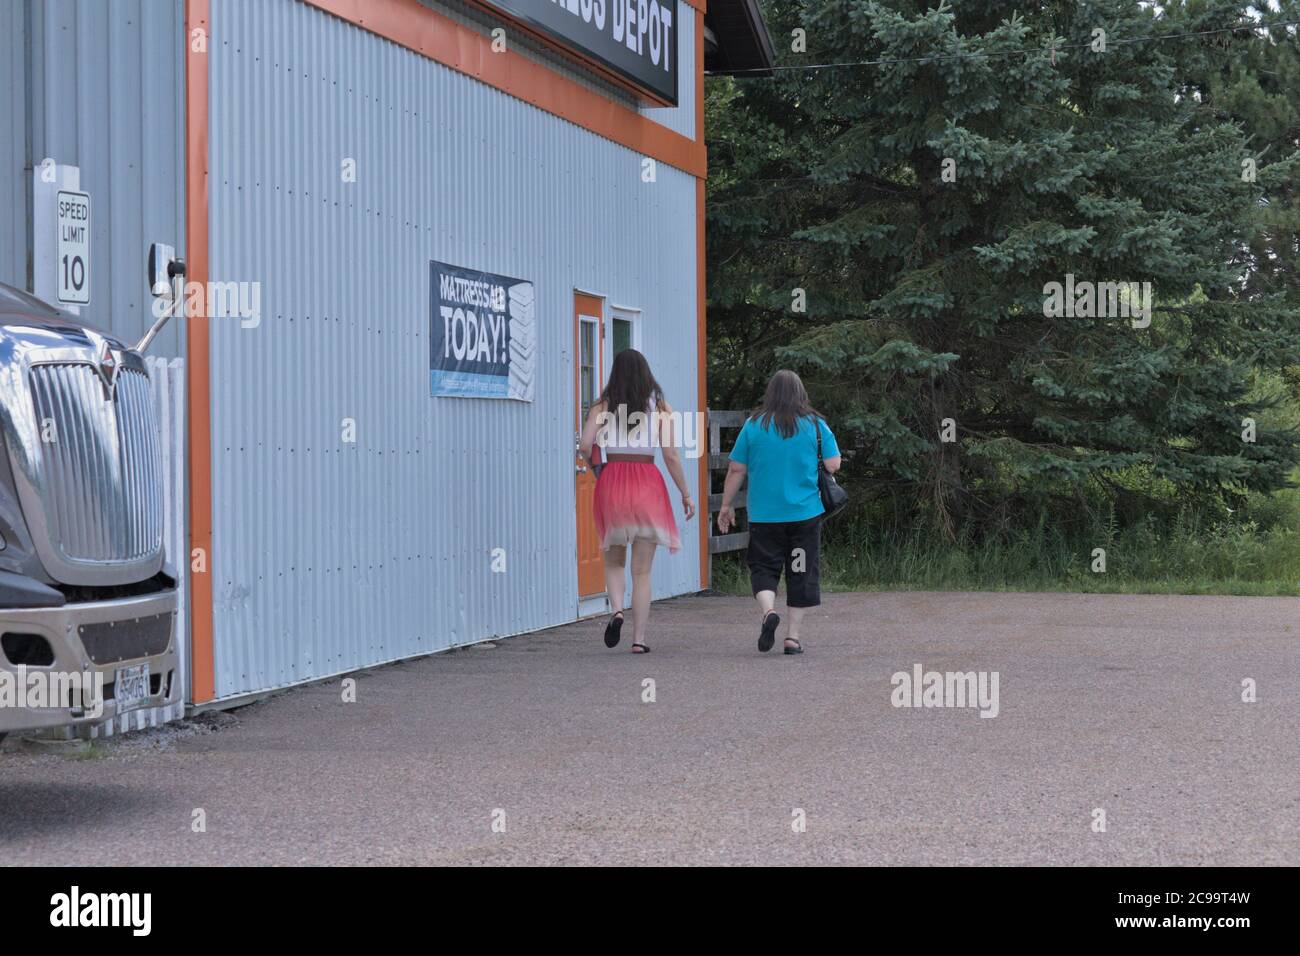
<point x="632" y="502"/>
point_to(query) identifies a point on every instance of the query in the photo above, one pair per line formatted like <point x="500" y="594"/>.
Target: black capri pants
<point x="794" y="546"/>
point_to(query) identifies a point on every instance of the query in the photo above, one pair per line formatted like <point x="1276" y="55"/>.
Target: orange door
<point x="588" y="328"/>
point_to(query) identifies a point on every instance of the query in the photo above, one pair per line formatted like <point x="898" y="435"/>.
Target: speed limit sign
<point x="72" y="256"/>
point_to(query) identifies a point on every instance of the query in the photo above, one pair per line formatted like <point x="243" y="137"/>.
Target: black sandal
<point x="767" y="637"/>
<point x="613" y="628"/>
<point x="645" y="648"/>
<point x="798" y="647"/>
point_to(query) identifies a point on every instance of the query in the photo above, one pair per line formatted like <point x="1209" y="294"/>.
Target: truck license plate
<point x="131" y="689"/>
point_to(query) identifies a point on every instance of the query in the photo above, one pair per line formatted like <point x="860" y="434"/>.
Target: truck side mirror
<point x="163" y="267"/>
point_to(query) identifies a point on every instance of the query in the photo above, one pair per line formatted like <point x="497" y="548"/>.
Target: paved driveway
<point x="1131" y="705"/>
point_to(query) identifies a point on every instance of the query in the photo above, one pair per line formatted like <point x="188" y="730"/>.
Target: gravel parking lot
<point x="548" y="748"/>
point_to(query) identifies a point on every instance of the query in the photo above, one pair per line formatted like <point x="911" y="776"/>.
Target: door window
<point x="589" y="355"/>
<point x="622" y="335"/>
<point x="624" y="332"/>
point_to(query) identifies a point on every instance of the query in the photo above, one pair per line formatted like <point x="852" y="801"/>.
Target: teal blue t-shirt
<point x="783" y="471"/>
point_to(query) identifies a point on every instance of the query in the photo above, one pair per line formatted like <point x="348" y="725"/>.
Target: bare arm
<point x="673" y="459"/>
<point x="832" y="465"/>
<point x="590" y="429"/>
<point x="736" y="473"/>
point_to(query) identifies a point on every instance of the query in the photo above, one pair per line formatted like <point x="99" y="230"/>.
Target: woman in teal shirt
<point x="777" y="451"/>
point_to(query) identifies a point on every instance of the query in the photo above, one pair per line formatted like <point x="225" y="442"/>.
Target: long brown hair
<point x="785" y="402"/>
<point x="630" y="384"/>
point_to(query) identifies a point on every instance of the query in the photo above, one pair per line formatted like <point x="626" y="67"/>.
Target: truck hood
<point x="44" y="327"/>
<point x="27" y="324"/>
<point x="107" y="471"/>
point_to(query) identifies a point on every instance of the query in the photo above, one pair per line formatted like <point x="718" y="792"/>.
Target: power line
<point x="933" y="57"/>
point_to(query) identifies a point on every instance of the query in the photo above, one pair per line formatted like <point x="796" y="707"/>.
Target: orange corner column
<point x="198" y="40"/>
<point x="701" y="321"/>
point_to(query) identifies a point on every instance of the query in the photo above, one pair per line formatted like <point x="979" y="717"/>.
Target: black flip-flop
<point x="797" y="649"/>
<point x="613" y="628"/>
<point x="767" y="637"/>
<point x="645" y="648"/>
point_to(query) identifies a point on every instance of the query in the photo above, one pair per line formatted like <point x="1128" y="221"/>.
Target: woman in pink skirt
<point x="631" y="507"/>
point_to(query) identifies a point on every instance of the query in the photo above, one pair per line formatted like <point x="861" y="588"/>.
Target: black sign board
<point x="637" y="39"/>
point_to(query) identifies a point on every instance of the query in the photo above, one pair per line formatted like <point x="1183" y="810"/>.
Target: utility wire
<point x="933" y="57"/>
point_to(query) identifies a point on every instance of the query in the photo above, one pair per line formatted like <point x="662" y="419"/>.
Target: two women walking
<point x="777" y="451"/>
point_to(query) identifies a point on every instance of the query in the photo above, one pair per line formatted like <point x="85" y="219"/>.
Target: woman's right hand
<point x="726" y="518"/>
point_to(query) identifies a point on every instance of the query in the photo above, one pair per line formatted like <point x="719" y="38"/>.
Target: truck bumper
<point x="100" y="637"/>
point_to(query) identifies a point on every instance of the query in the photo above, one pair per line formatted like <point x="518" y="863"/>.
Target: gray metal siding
<point x="329" y="556"/>
<point x="107" y="96"/>
<point x="13" y="181"/>
<point x="681" y="118"/>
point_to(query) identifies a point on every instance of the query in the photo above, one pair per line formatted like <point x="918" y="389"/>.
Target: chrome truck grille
<point x="101" y="475"/>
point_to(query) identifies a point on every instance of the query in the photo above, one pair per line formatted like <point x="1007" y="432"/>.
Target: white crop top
<point x="629" y="433"/>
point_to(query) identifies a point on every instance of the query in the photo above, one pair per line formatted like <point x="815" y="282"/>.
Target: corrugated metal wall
<point x="681" y="118"/>
<point x="330" y="555"/>
<point x="13" y="183"/>
<point x="107" y="96"/>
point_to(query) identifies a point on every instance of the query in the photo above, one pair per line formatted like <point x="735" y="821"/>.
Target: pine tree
<point x="929" y="205"/>
<point x="1258" y="86"/>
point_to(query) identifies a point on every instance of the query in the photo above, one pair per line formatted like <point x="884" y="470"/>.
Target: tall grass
<point x="1257" y="553"/>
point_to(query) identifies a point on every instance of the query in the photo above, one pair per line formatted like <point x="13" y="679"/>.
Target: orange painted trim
<point x="701" y="320"/>
<point x="429" y="33"/>
<point x="584" y="303"/>
<point x="198" y="372"/>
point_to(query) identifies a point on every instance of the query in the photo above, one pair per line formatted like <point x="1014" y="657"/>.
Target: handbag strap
<point x="817" y="427"/>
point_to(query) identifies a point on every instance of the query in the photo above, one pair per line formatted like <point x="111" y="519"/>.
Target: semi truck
<point x="87" y="605"/>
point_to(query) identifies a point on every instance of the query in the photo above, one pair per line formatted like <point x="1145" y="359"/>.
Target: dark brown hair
<point x="785" y="402"/>
<point x="630" y="384"/>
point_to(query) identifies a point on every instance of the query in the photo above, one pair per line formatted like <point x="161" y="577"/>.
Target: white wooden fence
<point x="718" y="461"/>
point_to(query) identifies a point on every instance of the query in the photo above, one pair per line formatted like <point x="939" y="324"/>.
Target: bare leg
<point x="796" y="620"/>
<point x="615" y="577"/>
<point x="643" y="555"/>
<point x="771" y="620"/>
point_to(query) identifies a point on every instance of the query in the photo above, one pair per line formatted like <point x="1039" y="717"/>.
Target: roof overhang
<point x="736" y="38"/>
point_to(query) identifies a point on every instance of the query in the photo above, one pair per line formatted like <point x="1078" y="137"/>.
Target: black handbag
<point x="834" y="498"/>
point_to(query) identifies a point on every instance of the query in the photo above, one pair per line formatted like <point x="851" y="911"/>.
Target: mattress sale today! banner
<point x="482" y="334"/>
